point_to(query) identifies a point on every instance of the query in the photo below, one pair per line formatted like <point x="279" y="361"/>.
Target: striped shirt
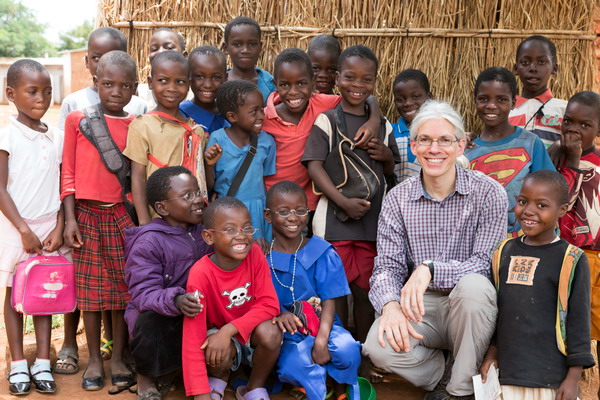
<point x="541" y="115"/>
<point x="457" y="233"/>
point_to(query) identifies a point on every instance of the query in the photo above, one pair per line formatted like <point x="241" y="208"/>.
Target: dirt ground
<point x="69" y="386"/>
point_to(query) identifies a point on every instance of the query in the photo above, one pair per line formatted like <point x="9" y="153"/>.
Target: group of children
<point x="246" y="246"/>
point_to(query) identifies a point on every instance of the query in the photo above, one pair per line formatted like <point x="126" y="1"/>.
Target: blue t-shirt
<point x="319" y="273"/>
<point x="209" y="121"/>
<point x="508" y="161"/>
<point x="252" y="189"/>
<point x="265" y="83"/>
<point x="408" y="165"/>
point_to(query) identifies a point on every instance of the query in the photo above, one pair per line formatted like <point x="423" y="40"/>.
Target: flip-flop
<point x="68" y="357"/>
<point x="217" y="388"/>
<point x="242" y="393"/>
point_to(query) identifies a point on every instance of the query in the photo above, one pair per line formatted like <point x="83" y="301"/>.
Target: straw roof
<point x="450" y="40"/>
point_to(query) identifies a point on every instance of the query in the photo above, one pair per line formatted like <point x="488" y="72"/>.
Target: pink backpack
<point x="44" y="285"/>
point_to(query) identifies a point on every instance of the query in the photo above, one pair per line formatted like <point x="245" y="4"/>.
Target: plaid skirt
<point x="100" y="262"/>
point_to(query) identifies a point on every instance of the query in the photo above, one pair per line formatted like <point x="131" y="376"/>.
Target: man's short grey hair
<point x="434" y="109"/>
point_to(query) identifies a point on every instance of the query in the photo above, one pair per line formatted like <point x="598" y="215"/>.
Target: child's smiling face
<point x="163" y="41"/>
<point x="250" y="115"/>
<point x="292" y="226"/>
<point x="207" y="74"/>
<point x="230" y="250"/>
<point x="31" y="95"/>
<point x="534" y="67"/>
<point x="493" y="102"/>
<point x="324" y="66"/>
<point x="409" y="96"/>
<point x="169" y="83"/>
<point x="294" y="85"/>
<point x="583" y="121"/>
<point x="183" y="206"/>
<point x="115" y="86"/>
<point x="538" y="210"/>
<point x="243" y="46"/>
<point x="356" y="82"/>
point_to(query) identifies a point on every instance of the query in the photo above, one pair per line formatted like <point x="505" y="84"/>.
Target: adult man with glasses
<point x="437" y="229"/>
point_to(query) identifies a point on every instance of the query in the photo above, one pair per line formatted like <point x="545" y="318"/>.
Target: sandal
<point x="151" y="395"/>
<point x="67" y="362"/>
<point x="106" y="348"/>
<point x="217" y="388"/>
<point x="242" y="393"/>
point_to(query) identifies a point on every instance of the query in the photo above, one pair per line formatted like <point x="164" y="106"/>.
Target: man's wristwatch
<point x="429" y="264"/>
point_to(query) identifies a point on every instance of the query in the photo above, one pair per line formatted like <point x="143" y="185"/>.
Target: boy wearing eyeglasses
<point x="159" y="258"/>
<point x="235" y="325"/>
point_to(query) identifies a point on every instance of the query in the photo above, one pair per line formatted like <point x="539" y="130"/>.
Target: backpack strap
<point x="241" y="173"/>
<point x="95" y="129"/>
<point x="496" y="255"/>
<point x="567" y="271"/>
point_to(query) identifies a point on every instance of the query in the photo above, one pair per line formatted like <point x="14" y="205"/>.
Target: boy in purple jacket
<point x="159" y="258"/>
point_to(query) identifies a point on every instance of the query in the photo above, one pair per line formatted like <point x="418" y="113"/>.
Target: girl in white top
<point x="31" y="220"/>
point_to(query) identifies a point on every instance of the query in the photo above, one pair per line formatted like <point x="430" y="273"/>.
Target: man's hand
<point x="411" y="296"/>
<point x="188" y="304"/>
<point x="396" y="328"/>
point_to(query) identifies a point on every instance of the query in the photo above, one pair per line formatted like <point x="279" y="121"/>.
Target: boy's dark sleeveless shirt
<point x="525" y="335"/>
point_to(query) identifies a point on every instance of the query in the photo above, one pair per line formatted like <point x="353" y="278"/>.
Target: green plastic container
<point x="367" y="391"/>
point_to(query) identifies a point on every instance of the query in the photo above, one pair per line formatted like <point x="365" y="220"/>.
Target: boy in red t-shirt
<point x="235" y="282"/>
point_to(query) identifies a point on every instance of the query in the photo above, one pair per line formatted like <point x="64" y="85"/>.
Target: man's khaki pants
<point x="462" y="322"/>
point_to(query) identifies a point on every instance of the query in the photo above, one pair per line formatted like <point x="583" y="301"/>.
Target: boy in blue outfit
<point x="504" y="152"/>
<point x="243" y="45"/>
<point x="208" y="71"/>
<point x="308" y="273"/>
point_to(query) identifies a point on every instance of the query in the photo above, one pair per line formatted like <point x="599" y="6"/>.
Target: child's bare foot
<point x="367" y="371"/>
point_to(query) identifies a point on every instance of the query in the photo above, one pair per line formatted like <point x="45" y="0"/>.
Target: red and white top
<point x="244" y="297"/>
<point x="83" y="172"/>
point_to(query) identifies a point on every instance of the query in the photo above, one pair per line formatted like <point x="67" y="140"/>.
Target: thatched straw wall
<point x="450" y="40"/>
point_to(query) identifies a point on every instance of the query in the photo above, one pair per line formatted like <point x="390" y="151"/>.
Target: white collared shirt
<point x="33" y="168"/>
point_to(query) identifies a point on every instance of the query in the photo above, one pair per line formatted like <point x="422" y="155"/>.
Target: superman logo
<point x="502" y="165"/>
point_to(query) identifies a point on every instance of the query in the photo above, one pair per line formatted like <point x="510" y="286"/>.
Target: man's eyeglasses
<point x="298" y="212"/>
<point x="233" y="232"/>
<point x="443" y="142"/>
